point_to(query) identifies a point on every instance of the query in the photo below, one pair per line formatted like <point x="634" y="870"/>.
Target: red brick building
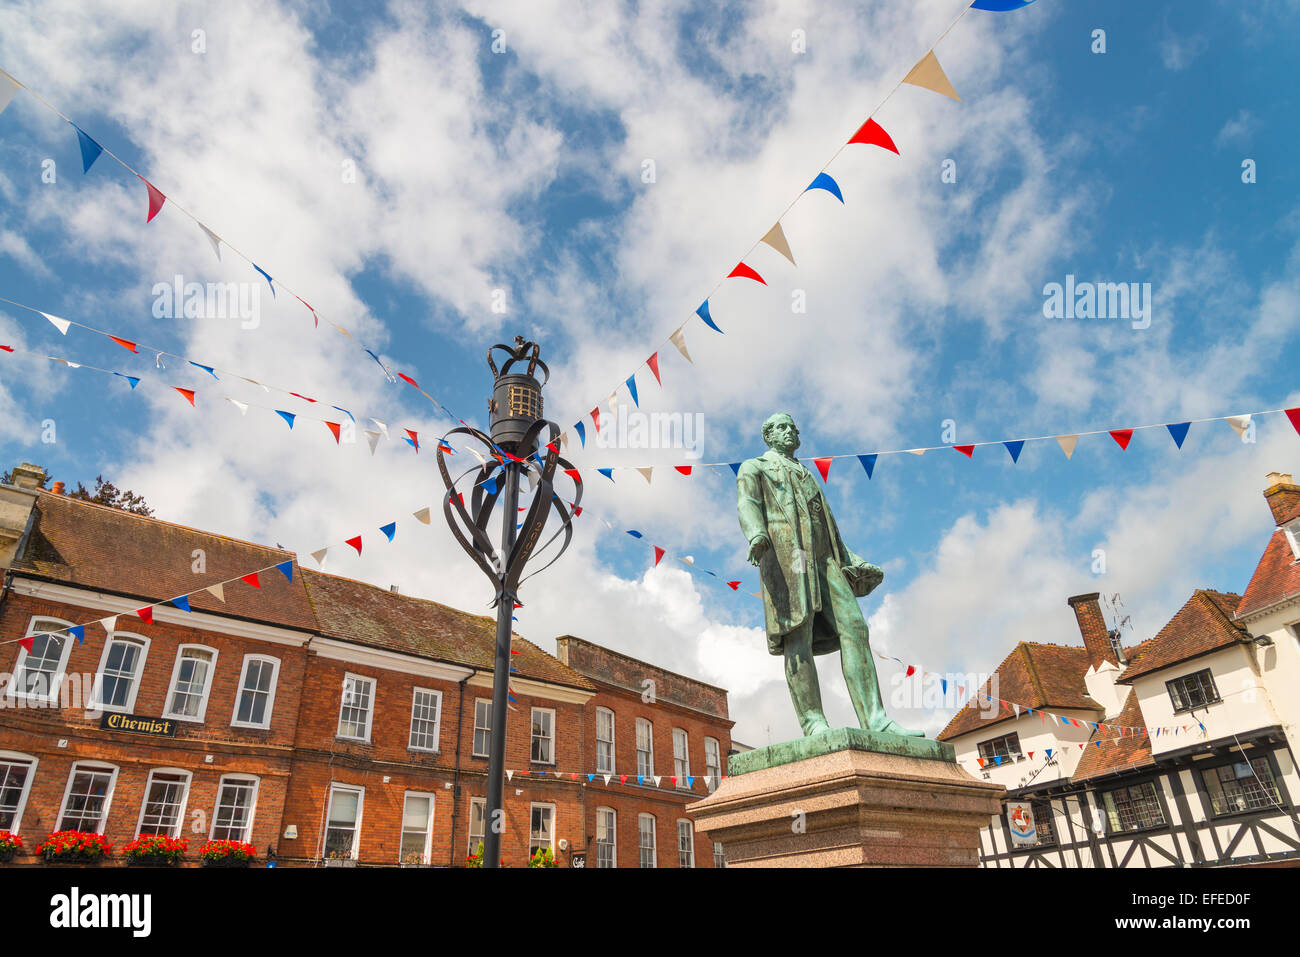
<point x="323" y="720"/>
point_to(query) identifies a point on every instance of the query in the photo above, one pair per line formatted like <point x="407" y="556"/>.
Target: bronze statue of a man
<point x="811" y="581"/>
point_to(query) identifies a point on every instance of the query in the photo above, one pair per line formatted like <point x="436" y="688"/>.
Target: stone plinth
<point x="849" y="798"/>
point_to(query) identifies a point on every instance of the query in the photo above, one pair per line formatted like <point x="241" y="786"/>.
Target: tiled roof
<point x="93" y="546"/>
<point x="1203" y="624"/>
<point x="1034" y="676"/>
<point x="1276" y="578"/>
<point x="1123" y="754"/>
<point x="355" y="611"/>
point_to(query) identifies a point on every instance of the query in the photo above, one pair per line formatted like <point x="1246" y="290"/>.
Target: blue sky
<point x="519" y="174"/>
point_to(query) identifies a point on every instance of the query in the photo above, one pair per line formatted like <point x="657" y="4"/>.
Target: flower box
<point x="155" y="851"/>
<point x="77" y="848"/>
<point x="227" y="854"/>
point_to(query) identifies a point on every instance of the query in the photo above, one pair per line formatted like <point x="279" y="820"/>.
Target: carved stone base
<point x="859" y="800"/>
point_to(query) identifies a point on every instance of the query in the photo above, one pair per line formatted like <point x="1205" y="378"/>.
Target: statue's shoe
<point x="892" y="727"/>
<point x="817" y="728"/>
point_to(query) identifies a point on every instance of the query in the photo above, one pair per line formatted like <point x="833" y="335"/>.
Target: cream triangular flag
<point x="383" y="426"/>
<point x="241" y="406"/>
<point x="607" y="777"/>
<point x="776" y="239"/>
<point x="687" y="559"/>
<point x="658" y="778"/>
<point x="757" y="594"/>
<point x="564" y="441"/>
<point x="340" y="329"/>
<point x="645" y="473"/>
<point x="1239" y="423"/>
<point x="679" y="340"/>
<point x="915" y="451"/>
<point x="422" y="515"/>
<point x="510" y="775"/>
<point x="217" y="591"/>
<point x="109" y="623"/>
<point x="214" y="239"/>
<point x="613" y="403"/>
<point x="559" y="774"/>
<point x="256" y="383"/>
<point x="1068" y="442"/>
<point x="8" y="87"/>
<point x="373" y="439"/>
<point x="929" y="75"/>
<point x="319" y="555"/>
<point x="60" y="324"/>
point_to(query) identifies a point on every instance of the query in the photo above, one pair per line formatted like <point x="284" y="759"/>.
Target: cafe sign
<point x="134" y="724"/>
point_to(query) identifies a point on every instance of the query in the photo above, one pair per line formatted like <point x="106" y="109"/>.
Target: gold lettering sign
<point x="155" y="727"/>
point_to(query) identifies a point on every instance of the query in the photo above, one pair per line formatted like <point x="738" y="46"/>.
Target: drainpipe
<point x="455" y="785"/>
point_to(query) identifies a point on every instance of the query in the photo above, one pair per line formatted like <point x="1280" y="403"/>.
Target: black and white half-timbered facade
<point x="1188" y="738"/>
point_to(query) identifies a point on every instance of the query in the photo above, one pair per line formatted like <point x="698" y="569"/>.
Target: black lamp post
<point x="516" y="426"/>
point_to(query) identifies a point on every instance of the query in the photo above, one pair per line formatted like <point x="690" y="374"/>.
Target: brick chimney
<point x="1096" y="636"/>
<point x="1283" y="497"/>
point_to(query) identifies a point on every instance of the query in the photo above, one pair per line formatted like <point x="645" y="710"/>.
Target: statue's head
<point x="780" y="433"/>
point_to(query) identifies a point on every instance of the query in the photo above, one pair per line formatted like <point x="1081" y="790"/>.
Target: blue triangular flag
<point x="582" y="433"/>
<point x="411" y="442"/>
<point x="608" y="473"/>
<point x="490" y="486"/>
<point x="376" y="358"/>
<point x="1014" y="449"/>
<point x="634" y="533"/>
<point x="78" y="632"/>
<point x="1179" y="432"/>
<point x="182" y="602"/>
<point x="268" y="278"/>
<point x="998" y="759"/>
<point x="208" y="369"/>
<point x="1000" y="6"/>
<point x="1048" y="752"/>
<point x="287" y="569"/>
<point x="703" y="313"/>
<point x="943" y="683"/>
<point x="690" y="781"/>
<point x="287" y="416"/>
<point x="824" y="181"/>
<point x="631" y="387"/>
<point x="90" y="150"/>
<point x="129" y="378"/>
<point x="640" y="779"/>
<point x="344" y="411"/>
<point x="590" y="778"/>
<point x="868" y="463"/>
<point x="735" y="468"/>
<point x="390" y="530"/>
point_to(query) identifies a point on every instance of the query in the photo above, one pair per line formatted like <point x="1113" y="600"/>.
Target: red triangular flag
<point x="303" y="397"/>
<point x="871" y="134"/>
<point x="574" y="775"/>
<point x="595" y="417"/>
<point x="573" y="474"/>
<point x="622" y="779"/>
<point x="966" y="450"/>
<point x="674" y="781"/>
<point x="653" y="363"/>
<point x="126" y="344"/>
<point x="1122" y="436"/>
<point x="659" y="553"/>
<point x="355" y="543"/>
<point x="744" y="272"/>
<point x="1294" y="416"/>
<point x="145" y="614"/>
<point x="28" y="642"/>
<point x="334" y="427"/>
<point x="415" y="439"/>
<point x="733" y="585"/>
<point x="313" y="311"/>
<point x="684" y="469"/>
<point x="251" y="578"/>
<point x="407" y="378"/>
<point x="577" y="510"/>
<point x="823" y="466"/>
<point x="156" y="198"/>
<point x="188" y="393"/>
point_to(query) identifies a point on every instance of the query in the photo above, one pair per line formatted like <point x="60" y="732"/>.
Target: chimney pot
<point x="393" y="589"/>
<point x="57" y="488"/>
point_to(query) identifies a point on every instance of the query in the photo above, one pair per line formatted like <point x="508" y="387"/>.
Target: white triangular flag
<point x="687" y="559"/>
<point x="422" y="515"/>
<point x="109" y="623"/>
<point x="60" y="324"/>
<point x="214" y="239"/>
<point x="679" y="340"/>
<point x="1068" y="442"/>
<point x="373" y="439"/>
<point x="319" y="555"/>
<point x="658" y="778"/>
<point x="1017" y="707"/>
<point x="256" y="383"/>
<point x="8" y="87"/>
<point x="383" y="426"/>
<point x="217" y="591"/>
<point x="510" y="775"/>
<point x="1239" y="423"/>
<point x="915" y="451"/>
<point x="559" y="774"/>
<point x="241" y="406"/>
<point x="607" y="777"/>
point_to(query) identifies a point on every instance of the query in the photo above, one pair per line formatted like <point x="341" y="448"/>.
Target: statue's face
<point x="784" y="435"/>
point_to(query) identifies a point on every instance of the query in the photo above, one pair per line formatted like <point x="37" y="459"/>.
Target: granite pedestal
<point x="849" y="798"/>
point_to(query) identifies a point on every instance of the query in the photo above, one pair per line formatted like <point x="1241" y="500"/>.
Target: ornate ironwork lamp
<point x="515" y="453"/>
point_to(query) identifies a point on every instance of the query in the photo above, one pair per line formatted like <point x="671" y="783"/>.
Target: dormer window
<point x="1292" y="529"/>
